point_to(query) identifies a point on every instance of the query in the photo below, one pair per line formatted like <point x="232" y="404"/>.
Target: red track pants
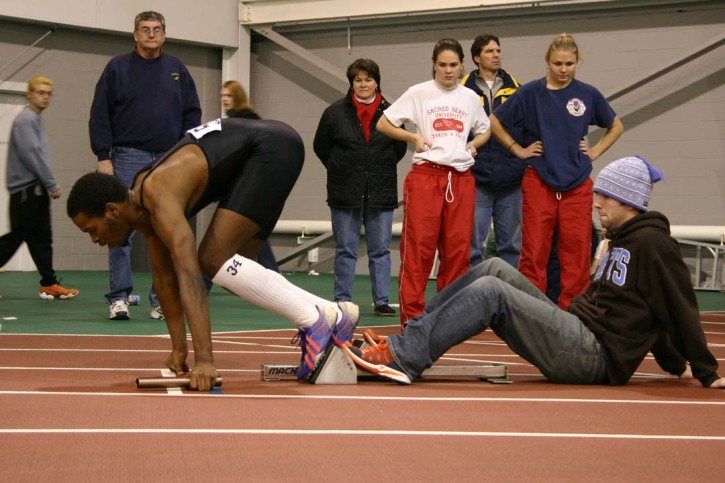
<point x="437" y="214"/>
<point x="571" y="213"/>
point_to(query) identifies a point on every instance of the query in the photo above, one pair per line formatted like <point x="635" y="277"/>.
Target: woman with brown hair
<point x="362" y="181"/>
<point x="236" y="104"/>
<point x="439" y="191"/>
<point x="555" y="113"/>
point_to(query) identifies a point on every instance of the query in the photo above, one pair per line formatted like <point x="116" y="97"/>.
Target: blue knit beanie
<point x="628" y="180"/>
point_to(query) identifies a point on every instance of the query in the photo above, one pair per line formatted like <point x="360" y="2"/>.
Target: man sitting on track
<point x="250" y="167"/>
<point x="641" y="299"/>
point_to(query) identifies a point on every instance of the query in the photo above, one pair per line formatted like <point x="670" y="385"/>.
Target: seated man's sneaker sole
<point x="377" y="369"/>
<point x="47" y="296"/>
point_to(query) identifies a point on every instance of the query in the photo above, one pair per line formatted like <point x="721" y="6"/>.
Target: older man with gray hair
<point x="145" y="100"/>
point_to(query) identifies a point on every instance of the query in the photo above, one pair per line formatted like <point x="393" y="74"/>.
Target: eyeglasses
<point x="147" y="31"/>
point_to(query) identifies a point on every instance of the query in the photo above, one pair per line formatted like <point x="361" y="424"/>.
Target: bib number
<point x="201" y="131"/>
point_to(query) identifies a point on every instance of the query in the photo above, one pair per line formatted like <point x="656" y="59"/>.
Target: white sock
<point x="270" y="290"/>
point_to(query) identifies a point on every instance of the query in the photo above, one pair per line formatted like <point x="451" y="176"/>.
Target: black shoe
<point x="385" y="310"/>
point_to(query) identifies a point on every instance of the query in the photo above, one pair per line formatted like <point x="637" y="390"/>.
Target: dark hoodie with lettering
<point x="640" y="295"/>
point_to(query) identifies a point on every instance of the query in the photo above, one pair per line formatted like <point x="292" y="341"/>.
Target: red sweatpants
<point x="571" y="213"/>
<point x="437" y="214"/>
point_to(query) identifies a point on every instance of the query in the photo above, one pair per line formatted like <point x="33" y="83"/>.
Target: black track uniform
<point x="253" y="166"/>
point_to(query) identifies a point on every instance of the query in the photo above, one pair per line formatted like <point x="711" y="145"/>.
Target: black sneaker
<point x="385" y="310"/>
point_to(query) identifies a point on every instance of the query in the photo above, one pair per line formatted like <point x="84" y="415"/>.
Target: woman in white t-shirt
<point x="439" y="192"/>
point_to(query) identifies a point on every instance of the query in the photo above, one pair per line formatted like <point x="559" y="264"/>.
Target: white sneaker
<point x="118" y="310"/>
<point x="156" y="312"/>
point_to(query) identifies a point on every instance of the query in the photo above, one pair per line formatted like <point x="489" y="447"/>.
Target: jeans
<point x="127" y="162"/>
<point x="346" y="224"/>
<point x="505" y="207"/>
<point x="495" y="294"/>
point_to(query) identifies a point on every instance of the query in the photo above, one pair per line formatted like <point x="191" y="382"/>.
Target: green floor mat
<point x="22" y="311"/>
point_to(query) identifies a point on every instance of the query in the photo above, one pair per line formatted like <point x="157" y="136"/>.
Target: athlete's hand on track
<point x="177" y="362"/>
<point x="203" y="376"/>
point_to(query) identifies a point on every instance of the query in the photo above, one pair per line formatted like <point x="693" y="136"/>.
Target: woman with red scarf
<point x="362" y="182"/>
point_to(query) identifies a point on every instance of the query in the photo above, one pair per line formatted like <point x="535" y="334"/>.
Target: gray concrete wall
<point x="677" y="122"/>
<point x="185" y="19"/>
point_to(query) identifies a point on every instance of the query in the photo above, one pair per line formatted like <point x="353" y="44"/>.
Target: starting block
<point x="337" y="368"/>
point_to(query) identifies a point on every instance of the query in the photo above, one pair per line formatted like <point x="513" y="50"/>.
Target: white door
<point x="11" y="103"/>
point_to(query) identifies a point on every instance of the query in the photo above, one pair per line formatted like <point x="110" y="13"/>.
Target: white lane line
<point x="453" y="356"/>
<point x="254" y="344"/>
<point x="65" y="349"/>
<point x="109" y="369"/>
<point x="171" y="391"/>
<point x="446" y="399"/>
<point x="476" y="358"/>
<point x="146" y="351"/>
<point x="485" y="342"/>
<point x="88" y="335"/>
<point x="357" y="432"/>
<point x="256" y="337"/>
<point x="287" y="351"/>
<point x="478" y="354"/>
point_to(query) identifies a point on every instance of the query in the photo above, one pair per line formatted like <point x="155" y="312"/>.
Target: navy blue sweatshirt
<point x="146" y="104"/>
<point x="640" y="292"/>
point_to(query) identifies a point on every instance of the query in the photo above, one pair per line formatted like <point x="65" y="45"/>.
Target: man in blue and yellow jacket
<point x="498" y="173"/>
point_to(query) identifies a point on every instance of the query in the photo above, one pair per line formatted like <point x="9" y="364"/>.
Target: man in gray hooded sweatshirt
<point x="31" y="185"/>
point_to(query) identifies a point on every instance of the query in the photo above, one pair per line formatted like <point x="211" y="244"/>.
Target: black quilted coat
<point x="357" y="168"/>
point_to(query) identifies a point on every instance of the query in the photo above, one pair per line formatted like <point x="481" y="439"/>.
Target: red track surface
<point x="71" y="412"/>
